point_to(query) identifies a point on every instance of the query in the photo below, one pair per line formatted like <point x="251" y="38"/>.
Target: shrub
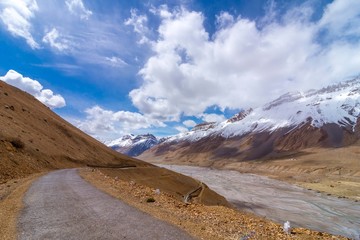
<point x="17" y="143"/>
<point x="150" y="200"/>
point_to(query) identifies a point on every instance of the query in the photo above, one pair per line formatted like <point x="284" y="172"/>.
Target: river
<point x="281" y="201"/>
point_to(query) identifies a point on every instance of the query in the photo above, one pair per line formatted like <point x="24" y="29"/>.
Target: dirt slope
<point x="34" y="139"/>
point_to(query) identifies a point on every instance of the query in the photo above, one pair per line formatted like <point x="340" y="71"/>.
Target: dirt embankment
<point x="11" y="195"/>
<point x="176" y="184"/>
<point x="201" y="221"/>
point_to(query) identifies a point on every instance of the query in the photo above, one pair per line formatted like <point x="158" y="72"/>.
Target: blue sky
<point x="118" y="67"/>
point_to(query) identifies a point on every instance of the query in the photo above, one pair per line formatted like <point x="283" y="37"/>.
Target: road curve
<point x="61" y="205"/>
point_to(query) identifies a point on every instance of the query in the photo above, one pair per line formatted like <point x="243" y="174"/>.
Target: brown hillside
<point x="34" y="139"/>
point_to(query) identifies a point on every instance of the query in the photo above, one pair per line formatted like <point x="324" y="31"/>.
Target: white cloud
<point x="100" y="122"/>
<point x="77" y="8"/>
<point x="189" y="123"/>
<point x="181" y="129"/>
<point x="342" y="17"/>
<point x="162" y="11"/>
<point x="212" y="117"/>
<point x="139" y="24"/>
<point x="224" y="20"/>
<point x="16" y="16"/>
<point x="116" y="61"/>
<point x="242" y="65"/>
<point x="33" y="87"/>
<point x="55" y="40"/>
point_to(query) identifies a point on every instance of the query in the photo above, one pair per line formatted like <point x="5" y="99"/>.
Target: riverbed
<point x="281" y="201"/>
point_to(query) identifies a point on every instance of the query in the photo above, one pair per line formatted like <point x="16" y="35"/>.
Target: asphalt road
<point x="281" y="201"/>
<point x="61" y="205"/>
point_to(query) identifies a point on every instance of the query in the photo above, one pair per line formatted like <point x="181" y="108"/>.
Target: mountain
<point x="132" y="145"/>
<point x="325" y="118"/>
<point x="34" y="139"/>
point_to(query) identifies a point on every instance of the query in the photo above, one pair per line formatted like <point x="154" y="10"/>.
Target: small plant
<point x="150" y="200"/>
<point x="17" y="143"/>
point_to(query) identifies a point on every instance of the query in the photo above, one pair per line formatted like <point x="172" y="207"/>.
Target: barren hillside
<point x="33" y="138"/>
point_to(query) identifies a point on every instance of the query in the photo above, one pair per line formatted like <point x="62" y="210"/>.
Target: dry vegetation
<point x="11" y="194"/>
<point x="201" y="221"/>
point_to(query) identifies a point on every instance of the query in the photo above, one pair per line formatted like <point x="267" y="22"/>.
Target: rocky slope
<point x="132" y="145"/>
<point x="325" y="118"/>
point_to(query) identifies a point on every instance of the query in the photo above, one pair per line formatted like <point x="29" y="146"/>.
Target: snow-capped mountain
<point x="132" y="145"/>
<point x="323" y="118"/>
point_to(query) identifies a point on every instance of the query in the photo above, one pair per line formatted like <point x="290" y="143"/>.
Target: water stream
<point x="280" y="201"/>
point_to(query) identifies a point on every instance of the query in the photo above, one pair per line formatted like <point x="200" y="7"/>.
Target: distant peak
<point x="287" y="97"/>
<point x="240" y="116"/>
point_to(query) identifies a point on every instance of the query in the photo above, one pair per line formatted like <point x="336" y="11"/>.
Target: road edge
<point x="12" y="204"/>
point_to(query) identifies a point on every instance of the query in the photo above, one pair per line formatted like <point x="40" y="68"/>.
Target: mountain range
<point x="132" y="145"/>
<point x="324" y="118"/>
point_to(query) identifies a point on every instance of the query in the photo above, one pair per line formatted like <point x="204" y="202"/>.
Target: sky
<point x="118" y="67"/>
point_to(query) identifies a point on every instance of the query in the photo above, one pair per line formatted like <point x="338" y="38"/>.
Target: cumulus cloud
<point x="16" y="16"/>
<point x="189" y="123"/>
<point x="77" y="8"/>
<point x="243" y="65"/>
<point x="33" y="87"/>
<point x="224" y="20"/>
<point x="181" y="129"/>
<point x="139" y="24"/>
<point x="212" y="117"/>
<point x="55" y="40"/>
<point x="100" y="122"/>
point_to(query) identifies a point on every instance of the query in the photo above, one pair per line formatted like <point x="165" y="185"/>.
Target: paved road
<point x="61" y="205"/>
<point x="281" y="201"/>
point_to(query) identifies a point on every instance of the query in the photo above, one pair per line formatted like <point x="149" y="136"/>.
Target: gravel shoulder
<point x="11" y="195"/>
<point x="62" y="205"/>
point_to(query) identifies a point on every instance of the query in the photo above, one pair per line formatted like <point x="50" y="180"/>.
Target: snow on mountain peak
<point x="338" y="103"/>
<point x="133" y="145"/>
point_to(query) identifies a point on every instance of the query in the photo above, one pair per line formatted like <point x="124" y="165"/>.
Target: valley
<point x="280" y="201"/>
<point x="211" y="120"/>
<point x="35" y="141"/>
<point x="309" y="138"/>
